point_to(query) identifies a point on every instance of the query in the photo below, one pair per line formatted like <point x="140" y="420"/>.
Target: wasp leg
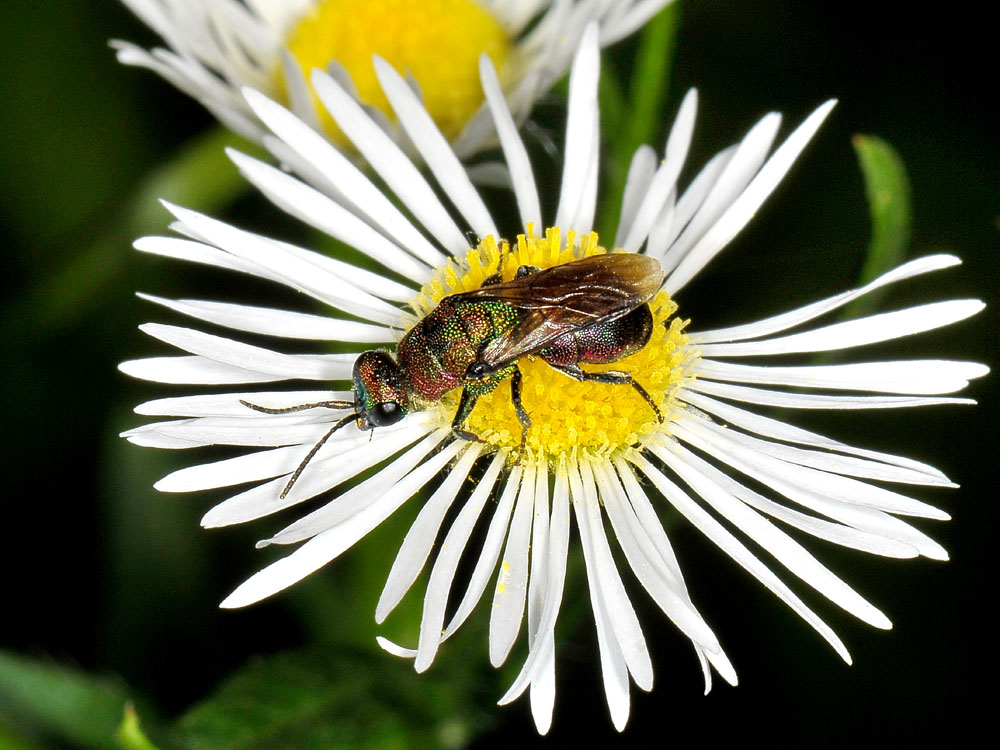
<point x="299" y="407"/>
<point x="516" y="382"/>
<point x="611" y="376"/>
<point x="465" y="405"/>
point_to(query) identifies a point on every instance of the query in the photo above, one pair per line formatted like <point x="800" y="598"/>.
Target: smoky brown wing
<point x="566" y="298"/>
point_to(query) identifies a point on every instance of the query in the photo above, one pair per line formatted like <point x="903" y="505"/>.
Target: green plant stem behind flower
<point x="633" y="122"/>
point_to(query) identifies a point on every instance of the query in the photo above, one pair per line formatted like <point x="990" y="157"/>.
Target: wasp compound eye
<point x="384" y="414"/>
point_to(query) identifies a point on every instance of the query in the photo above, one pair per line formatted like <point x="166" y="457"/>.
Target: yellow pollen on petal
<point x="584" y="419"/>
<point x="437" y="42"/>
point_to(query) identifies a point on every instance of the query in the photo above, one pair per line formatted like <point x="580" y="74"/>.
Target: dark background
<point x="104" y="573"/>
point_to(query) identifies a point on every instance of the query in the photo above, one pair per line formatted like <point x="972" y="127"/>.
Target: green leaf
<point x="11" y="741"/>
<point x="639" y="119"/>
<point x="66" y="703"/>
<point x="334" y="698"/>
<point x="888" y="192"/>
<point x="129" y="734"/>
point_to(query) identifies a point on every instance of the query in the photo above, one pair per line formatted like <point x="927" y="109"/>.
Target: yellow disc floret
<point x="568" y="417"/>
<point x="437" y="42"/>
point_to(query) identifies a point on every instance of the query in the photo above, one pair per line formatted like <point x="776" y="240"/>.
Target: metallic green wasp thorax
<point x="438" y="350"/>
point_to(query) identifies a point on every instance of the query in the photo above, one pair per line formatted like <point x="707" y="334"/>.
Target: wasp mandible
<point x="589" y="311"/>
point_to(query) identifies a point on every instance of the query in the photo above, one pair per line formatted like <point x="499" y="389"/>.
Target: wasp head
<point x="380" y="394"/>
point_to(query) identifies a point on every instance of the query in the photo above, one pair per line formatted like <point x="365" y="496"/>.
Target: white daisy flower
<point x="594" y="451"/>
<point x="216" y="47"/>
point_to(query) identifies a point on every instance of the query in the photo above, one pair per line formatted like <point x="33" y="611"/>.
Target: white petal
<point x="515" y="154"/>
<point x="736" y="550"/>
<point x="665" y="179"/>
<point x="294" y="269"/>
<point x="199" y="252"/>
<point x="899" y="470"/>
<point x="313" y="147"/>
<point x="511" y="588"/>
<point x="621" y="615"/>
<point x="765" y="397"/>
<point x="662" y="228"/>
<point x="647" y="565"/>
<point x="253" y="358"/>
<point x="323" y="474"/>
<point x="358" y="498"/>
<point x="740" y="168"/>
<point x="391" y="164"/>
<point x="416" y="546"/>
<point x="789" y="463"/>
<point x="867" y="330"/>
<point x="581" y="135"/>
<point x="369" y="282"/>
<point x="273" y="322"/>
<point x="539" y="658"/>
<point x="538" y="577"/>
<point x="641" y="170"/>
<point x="787" y="551"/>
<point x="809" y="312"/>
<point x="846" y="536"/>
<point x="744" y="207"/>
<point x="614" y="669"/>
<point x="200" y="371"/>
<point x="632" y="17"/>
<point x="233" y="431"/>
<point x="228" y="404"/>
<point x="914" y="376"/>
<point x="489" y="554"/>
<point x="849" y="467"/>
<point x="691" y="200"/>
<point x="813" y="495"/>
<point x="443" y="571"/>
<point x="252" y="467"/>
<point x="319" y="550"/>
<point x="312" y="207"/>
<point x="437" y="590"/>
<point x="543" y="688"/>
<point x="434" y="148"/>
<point x="583" y="221"/>
<point x="300" y="98"/>
<point x="651" y="525"/>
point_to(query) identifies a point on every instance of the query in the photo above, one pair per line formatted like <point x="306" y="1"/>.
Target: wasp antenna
<point x="315" y="448"/>
<point x="298" y="407"/>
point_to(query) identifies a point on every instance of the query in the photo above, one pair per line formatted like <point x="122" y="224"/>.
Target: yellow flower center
<point x="568" y="417"/>
<point x="438" y="42"/>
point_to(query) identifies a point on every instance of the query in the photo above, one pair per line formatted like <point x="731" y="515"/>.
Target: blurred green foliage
<point x="40" y="699"/>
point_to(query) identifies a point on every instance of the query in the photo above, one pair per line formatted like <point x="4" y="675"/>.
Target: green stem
<point x="642" y="113"/>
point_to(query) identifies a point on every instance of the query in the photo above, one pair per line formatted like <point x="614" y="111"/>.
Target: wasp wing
<point x="566" y="298"/>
